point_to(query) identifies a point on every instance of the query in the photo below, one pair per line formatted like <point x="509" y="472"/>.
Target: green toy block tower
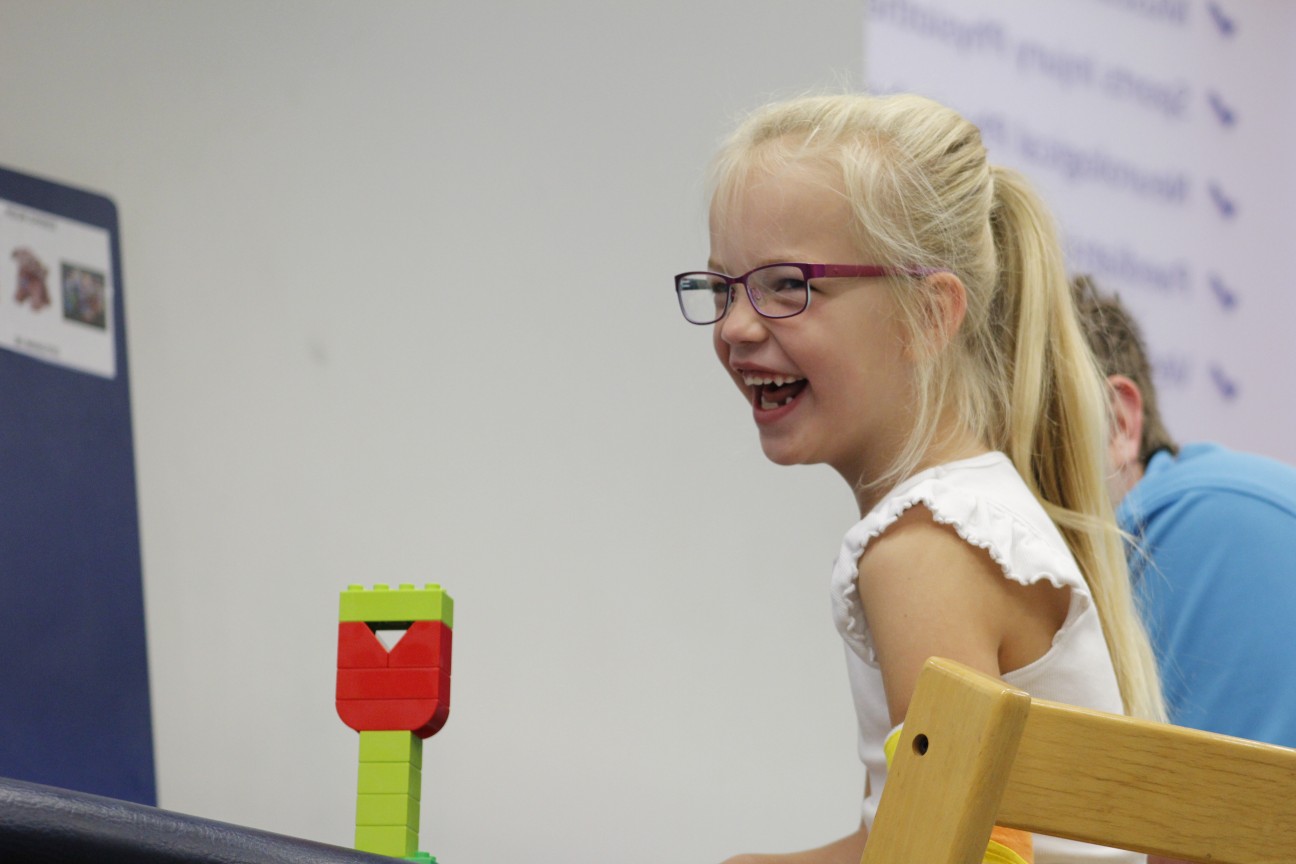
<point x="394" y="698"/>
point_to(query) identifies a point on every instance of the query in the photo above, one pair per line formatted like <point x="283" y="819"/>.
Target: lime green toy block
<point x="394" y="840"/>
<point x="388" y="810"/>
<point x="422" y="858"/>
<point x="391" y="747"/>
<point x="390" y="778"/>
<point x="382" y="605"/>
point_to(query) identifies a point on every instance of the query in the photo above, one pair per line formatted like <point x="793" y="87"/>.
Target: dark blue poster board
<point x="74" y="696"/>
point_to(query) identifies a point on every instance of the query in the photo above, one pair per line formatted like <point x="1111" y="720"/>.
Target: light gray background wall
<point x="398" y="308"/>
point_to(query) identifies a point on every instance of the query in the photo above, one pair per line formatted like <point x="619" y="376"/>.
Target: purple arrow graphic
<point x="1226" y="24"/>
<point x="1227" y="387"/>
<point x="1223" y="112"/>
<point x="1227" y="298"/>
<point x="1226" y="206"/>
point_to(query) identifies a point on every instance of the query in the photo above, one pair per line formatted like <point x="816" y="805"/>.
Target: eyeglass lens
<point x="777" y="291"/>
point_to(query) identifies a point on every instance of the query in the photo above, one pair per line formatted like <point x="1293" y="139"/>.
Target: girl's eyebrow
<point x="716" y="267"/>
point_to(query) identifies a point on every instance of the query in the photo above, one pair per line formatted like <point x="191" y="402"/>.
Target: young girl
<point x="895" y="307"/>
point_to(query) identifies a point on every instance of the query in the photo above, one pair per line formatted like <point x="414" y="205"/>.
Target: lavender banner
<point x="1160" y="132"/>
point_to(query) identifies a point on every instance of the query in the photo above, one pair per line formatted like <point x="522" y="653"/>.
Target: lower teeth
<point x="769" y="406"/>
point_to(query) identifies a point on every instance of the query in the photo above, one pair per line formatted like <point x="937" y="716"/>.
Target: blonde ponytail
<point x="1056" y="431"/>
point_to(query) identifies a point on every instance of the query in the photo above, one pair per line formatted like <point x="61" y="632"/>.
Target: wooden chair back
<point x="976" y="752"/>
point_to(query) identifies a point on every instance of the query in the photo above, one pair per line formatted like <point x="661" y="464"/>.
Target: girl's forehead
<point x="793" y="207"/>
<point x="777" y="192"/>
<point x="781" y="177"/>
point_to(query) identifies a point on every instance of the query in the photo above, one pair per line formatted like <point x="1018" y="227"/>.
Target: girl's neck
<point x="942" y="451"/>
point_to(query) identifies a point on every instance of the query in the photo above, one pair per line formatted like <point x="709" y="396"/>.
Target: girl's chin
<point x="781" y="453"/>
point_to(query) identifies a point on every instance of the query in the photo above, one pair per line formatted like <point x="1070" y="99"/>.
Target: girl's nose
<point x="742" y="323"/>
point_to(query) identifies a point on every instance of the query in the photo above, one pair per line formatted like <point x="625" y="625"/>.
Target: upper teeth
<point x="761" y="380"/>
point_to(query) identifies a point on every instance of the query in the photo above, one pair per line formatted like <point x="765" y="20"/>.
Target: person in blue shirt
<point x="1215" y="555"/>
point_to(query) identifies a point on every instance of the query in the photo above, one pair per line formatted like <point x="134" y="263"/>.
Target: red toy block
<point x="423" y="717"/>
<point x="392" y="683"/>
<point x="425" y="643"/>
<point x="408" y="687"/>
<point x="359" y="647"/>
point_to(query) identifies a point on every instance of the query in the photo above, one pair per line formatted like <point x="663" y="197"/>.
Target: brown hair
<point x="1117" y="344"/>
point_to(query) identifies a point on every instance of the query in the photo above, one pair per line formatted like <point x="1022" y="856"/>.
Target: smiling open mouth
<point x="774" y="391"/>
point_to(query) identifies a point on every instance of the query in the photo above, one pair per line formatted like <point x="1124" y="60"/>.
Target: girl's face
<point x="830" y="385"/>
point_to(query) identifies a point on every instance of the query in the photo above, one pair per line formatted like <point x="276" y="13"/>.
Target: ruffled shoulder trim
<point x="988" y="504"/>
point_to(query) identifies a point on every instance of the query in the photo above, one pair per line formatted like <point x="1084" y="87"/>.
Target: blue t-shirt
<point x="1218" y="587"/>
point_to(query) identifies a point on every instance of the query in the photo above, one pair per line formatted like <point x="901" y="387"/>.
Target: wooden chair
<point x="976" y="752"/>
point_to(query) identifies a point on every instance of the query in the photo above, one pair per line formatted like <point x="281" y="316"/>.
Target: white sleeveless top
<point x="987" y="502"/>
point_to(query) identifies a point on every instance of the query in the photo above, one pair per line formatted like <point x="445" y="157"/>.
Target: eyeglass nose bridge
<point x="754" y="296"/>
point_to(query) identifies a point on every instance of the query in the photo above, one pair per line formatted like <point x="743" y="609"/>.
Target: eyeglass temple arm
<point x="829" y="270"/>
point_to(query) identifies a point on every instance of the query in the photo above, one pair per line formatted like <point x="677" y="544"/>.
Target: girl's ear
<point x="946" y="308"/>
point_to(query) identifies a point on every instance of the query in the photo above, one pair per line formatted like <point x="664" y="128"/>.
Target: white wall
<point x="398" y="308"/>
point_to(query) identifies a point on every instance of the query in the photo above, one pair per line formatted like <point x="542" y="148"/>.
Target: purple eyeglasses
<point x="776" y="290"/>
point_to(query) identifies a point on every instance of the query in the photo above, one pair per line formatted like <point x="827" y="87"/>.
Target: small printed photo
<point x="84" y="297"/>
<point x="32" y="289"/>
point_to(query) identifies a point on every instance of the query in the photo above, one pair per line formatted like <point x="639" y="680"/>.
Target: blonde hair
<point x="1018" y="374"/>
